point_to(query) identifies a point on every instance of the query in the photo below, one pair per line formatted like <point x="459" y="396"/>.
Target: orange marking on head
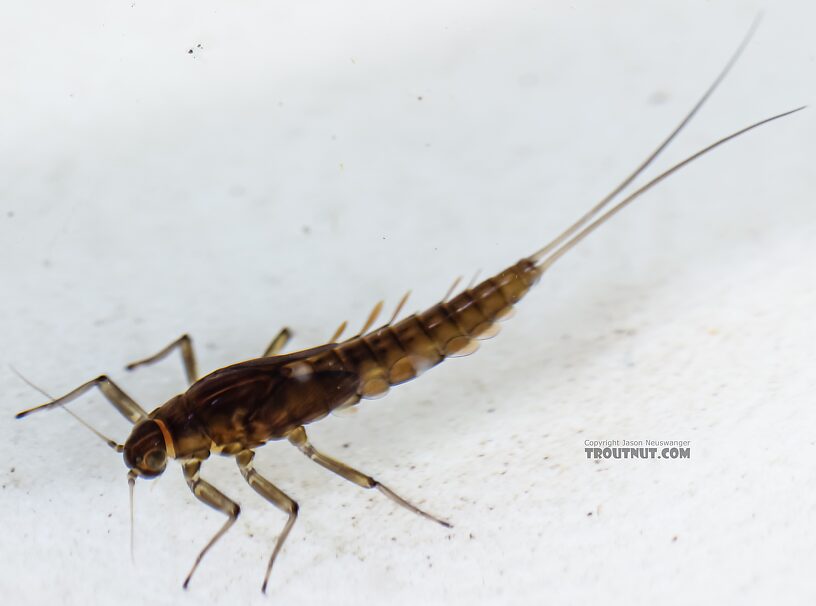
<point x="168" y="439"/>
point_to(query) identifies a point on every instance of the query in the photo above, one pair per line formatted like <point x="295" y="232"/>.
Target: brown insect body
<point x="250" y="403"/>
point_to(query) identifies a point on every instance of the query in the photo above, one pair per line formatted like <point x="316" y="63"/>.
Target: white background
<point x="311" y="158"/>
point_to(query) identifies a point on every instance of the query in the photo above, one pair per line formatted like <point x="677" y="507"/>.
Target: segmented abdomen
<point x="397" y="353"/>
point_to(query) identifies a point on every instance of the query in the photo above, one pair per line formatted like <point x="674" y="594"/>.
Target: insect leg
<point x="209" y="495"/>
<point x="126" y="406"/>
<point x="274" y="495"/>
<point x="185" y="344"/>
<point x="278" y="343"/>
<point x="298" y="438"/>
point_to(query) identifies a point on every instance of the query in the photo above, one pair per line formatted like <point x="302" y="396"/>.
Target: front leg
<point x="274" y="495"/>
<point x="209" y="495"/>
<point x="122" y="402"/>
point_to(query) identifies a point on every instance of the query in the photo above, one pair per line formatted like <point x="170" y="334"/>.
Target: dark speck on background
<point x="658" y="97"/>
<point x="10" y="214"/>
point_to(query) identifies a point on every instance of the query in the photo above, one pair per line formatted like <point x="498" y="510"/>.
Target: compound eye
<point x="155" y="459"/>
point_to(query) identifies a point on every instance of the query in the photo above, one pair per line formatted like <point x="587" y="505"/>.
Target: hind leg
<point x="298" y="438"/>
<point x="278" y="343"/>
